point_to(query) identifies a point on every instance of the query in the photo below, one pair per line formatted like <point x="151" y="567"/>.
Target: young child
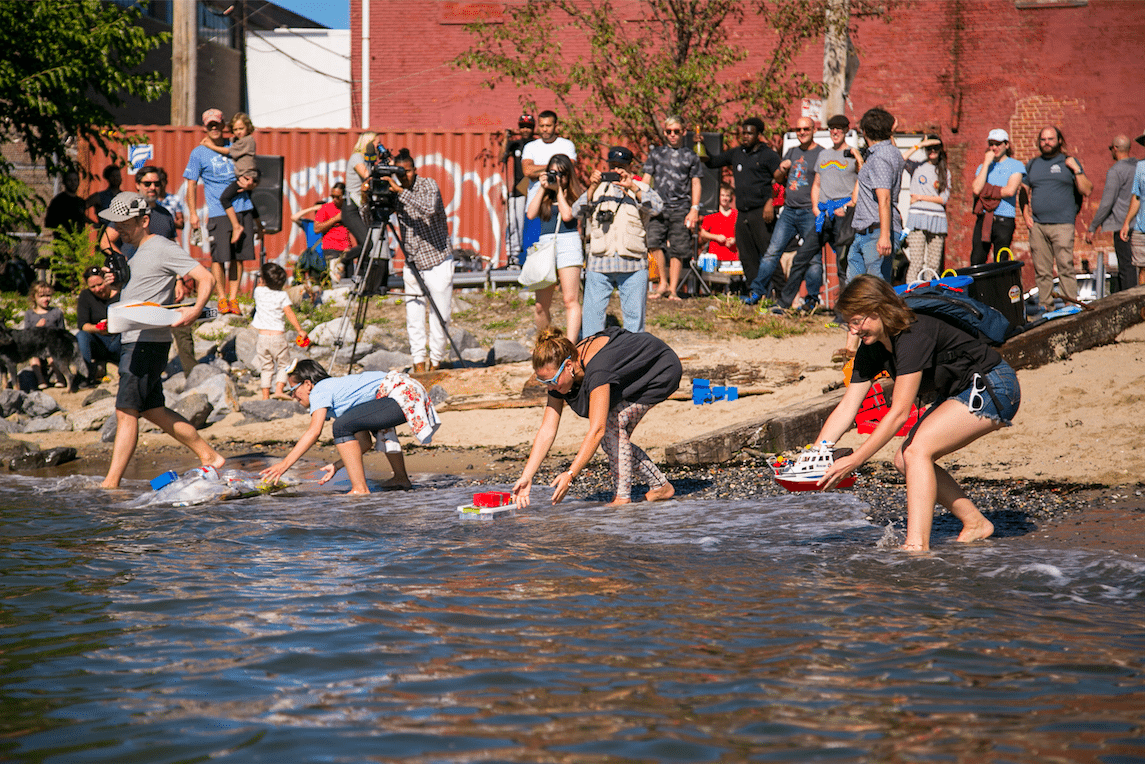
<point x="241" y="151"/>
<point x="719" y="228"/>
<point x="363" y="406"/>
<point x="271" y="304"/>
<point x="42" y="314"/>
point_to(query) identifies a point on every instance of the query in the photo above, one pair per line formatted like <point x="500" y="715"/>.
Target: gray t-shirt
<point x="156" y="265"/>
<point x="672" y="171"/>
<point x="837" y="173"/>
<point x="354" y="180"/>
<point x="800" y="175"/>
<point x="1053" y="197"/>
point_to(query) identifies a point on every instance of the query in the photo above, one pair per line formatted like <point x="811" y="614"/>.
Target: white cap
<point x="998" y="134"/>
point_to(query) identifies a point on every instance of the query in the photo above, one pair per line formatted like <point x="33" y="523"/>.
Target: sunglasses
<point x="290" y="390"/>
<point x="804" y="130"/>
<point x="556" y="376"/>
<point x="673" y="131"/>
<point x="976" y="401"/>
<point x="149" y="183"/>
<point x="993" y="143"/>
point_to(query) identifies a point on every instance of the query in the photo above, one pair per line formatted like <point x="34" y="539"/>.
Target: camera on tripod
<point x="381" y="200"/>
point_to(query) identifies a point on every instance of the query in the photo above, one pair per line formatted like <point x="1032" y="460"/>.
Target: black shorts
<point x="371" y="416"/>
<point x="219" y="229"/>
<point x="667" y="231"/>
<point x="141" y="366"/>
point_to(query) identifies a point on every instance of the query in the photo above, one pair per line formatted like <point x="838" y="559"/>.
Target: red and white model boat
<point x="809" y="467"/>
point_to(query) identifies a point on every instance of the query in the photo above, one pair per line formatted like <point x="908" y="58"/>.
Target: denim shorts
<point x="1003" y="383"/>
<point x="570" y="253"/>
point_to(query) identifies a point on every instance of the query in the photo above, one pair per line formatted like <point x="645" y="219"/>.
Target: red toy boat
<point x="809" y="467"/>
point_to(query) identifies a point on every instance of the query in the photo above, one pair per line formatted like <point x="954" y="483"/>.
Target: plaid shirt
<point x="425" y="232"/>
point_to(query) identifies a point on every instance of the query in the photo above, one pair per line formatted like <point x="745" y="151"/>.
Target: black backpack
<point x="956" y="308"/>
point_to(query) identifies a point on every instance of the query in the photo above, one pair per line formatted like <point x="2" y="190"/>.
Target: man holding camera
<point x="157" y="264"/>
<point x="618" y="251"/>
<point x="425" y="241"/>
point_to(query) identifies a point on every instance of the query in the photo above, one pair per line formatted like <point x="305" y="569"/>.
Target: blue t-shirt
<point x="999" y="175"/>
<point x="216" y="171"/>
<point x="339" y="394"/>
<point x="1139" y="192"/>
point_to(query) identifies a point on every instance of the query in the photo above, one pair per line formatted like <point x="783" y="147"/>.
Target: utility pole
<point x="835" y="57"/>
<point x="184" y="61"/>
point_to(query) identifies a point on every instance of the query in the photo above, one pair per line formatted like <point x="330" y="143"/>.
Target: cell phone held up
<point x="610" y="177"/>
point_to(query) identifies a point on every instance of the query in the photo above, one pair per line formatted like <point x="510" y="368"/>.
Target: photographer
<point x="425" y="241"/>
<point x="515" y="198"/>
<point x="366" y="150"/>
<point x="618" y="250"/>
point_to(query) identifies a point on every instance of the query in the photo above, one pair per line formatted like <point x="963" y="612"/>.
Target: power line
<point x="299" y="61"/>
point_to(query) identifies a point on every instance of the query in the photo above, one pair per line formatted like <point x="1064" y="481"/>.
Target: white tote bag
<point x="540" y="269"/>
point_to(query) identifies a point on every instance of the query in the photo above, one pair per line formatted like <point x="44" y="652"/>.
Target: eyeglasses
<point x="840" y="129"/>
<point x="933" y="150"/>
<point x="804" y="129"/>
<point x="556" y="376"/>
<point x="855" y="323"/>
<point x="149" y="183"/>
<point x="290" y="390"/>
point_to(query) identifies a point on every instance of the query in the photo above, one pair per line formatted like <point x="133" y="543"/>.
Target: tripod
<point x="373" y="280"/>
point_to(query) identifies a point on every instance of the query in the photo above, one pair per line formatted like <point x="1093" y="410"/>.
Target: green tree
<point x="64" y="62"/>
<point x="618" y="78"/>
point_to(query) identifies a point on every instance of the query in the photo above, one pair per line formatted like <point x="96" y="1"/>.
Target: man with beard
<point x="1056" y="183"/>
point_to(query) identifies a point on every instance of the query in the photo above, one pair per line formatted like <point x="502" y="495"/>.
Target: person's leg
<point x="1002" y="235"/>
<point x="628" y="416"/>
<point x="415" y="317"/>
<point x="351" y="432"/>
<point x="84" y="339"/>
<point x="183" y="431"/>
<point x="633" y="298"/>
<point x="750" y="242"/>
<point x="440" y="283"/>
<point x="219" y="229"/>
<point x="1137" y="241"/>
<point x="662" y="282"/>
<point x="236" y="227"/>
<point x="784" y="231"/>
<point x="514" y="228"/>
<point x="542" y="307"/>
<point x="656" y="232"/>
<point x="264" y="363"/>
<point x="950" y="427"/>
<point x="597" y="292"/>
<point x="126" y="435"/>
<point x="185" y="346"/>
<point x="859" y="255"/>
<point x="807" y="265"/>
<point x="935" y="242"/>
<point x="1124" y="252"/>
<point x="979" y="250"/>
<point x="352" y="219"/>
<point x="675" y="266"/>
<point x="1042" y="255"/>
<point x="916" y="254"/>
<point x="350" y="452"/>
<point x="570" y="293"/>
<point x="1062" y="237"/>
<point x="234" y="274"/>
<point x="280" y="354"/>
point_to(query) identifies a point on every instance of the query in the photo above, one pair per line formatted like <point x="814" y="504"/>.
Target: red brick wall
<point x="955" y="67"/>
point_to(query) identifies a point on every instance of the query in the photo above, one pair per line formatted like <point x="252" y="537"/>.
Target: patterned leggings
<point x="622" y="454"/>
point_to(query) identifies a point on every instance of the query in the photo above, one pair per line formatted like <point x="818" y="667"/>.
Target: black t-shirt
<point x="947" y="357"/>
<point x="91" y="309"/>
<point x="513" y="148"/>
<point x="639" y="367"/>
<point x="754" y="172"/>
<point x="66" y="211"/>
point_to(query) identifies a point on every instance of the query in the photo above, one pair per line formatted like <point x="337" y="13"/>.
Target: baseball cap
<point x="125" y="206"/>
<point x="839" y="121"/>
<point x="620" y="155"/>
<point x="998" y="134"/>
<point x="526" y="120"/>
<point x="212" y="115"/>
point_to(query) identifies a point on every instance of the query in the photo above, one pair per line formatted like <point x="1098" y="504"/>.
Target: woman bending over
<point x="977" y="393"/>
<point x="613" y="379"/>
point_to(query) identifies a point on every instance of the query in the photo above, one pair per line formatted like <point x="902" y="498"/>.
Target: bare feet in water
<point x="396" y="482"/>
<point x="662" y="493"/>
<point x="976" y="531"/>
<point x="618" y="502"/>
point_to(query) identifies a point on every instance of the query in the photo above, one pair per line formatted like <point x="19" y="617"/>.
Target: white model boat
<point x="808" y="468"/>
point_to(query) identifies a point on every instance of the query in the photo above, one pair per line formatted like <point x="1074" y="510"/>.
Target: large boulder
<point x="464" y="340"/>
<point x="39" y="459"/>
<point x="107" y="430"/>
<point x="38" y="404"/>
<point x="220" y="390"/>
<point x="266" y="411"/>
<point x="97" y="394"/>
<point x="508" y="351"/>
<point x="200" y="374"/>
<point x="92" y="416"/>
<point x="11" y="401"/>
<point x="245" y="342"/>
<point x="386" y="360"/>
<point x="57" y="422"/>
<point x="475" y="356"/>
<point x="195" y="408"/>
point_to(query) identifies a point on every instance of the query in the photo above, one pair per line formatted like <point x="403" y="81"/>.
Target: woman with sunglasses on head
<point x="926" y="219"/>
<point x="553" y="205"/>
<point x="612" y="379"/>
<point x="361" y="405"/>
<point x="976" y="393"/>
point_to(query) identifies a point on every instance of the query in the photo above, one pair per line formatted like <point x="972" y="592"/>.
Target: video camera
<point x="381" y="200"/>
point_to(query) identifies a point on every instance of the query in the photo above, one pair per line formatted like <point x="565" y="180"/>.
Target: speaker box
<point x="710" y="182"/>
<point x="267" y="196"/>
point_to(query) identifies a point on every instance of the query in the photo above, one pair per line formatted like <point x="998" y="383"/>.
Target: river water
<point x="317" y="628"/>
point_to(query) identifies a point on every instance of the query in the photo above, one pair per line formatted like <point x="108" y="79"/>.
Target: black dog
<point x="19" y="345"/>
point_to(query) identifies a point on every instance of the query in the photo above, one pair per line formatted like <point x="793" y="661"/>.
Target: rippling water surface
<point x="315" y="628"/>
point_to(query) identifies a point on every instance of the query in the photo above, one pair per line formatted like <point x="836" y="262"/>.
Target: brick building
<point x="954" y="67"/>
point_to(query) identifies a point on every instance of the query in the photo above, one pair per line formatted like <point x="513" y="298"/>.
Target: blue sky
<point x="333" y="13"/>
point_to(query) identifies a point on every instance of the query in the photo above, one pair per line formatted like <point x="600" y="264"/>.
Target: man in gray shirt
<point x="877" y="220"/>
<point x="156" y="265"/>
<point x="1056" y="183"/>
<point x="1114" y="205"/>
